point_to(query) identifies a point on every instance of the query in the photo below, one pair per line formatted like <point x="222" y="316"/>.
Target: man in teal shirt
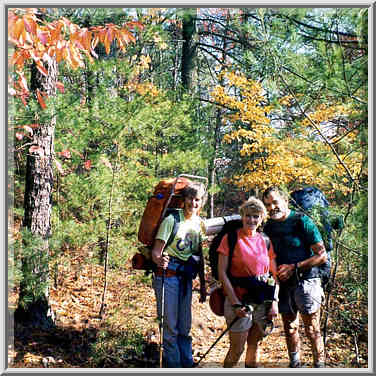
<point x="300" y="250"/>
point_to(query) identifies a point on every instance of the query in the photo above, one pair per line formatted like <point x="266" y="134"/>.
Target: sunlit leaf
<point x="87" y="164"/>
<point x="19" y="136"/>
<point x="59" y="166"/>
<point x="42" y="69"/>
<point x="60" y="86"/>
<point x="28" y="129"/>
<point x="40" y="100"/>
<point x="65" y="153"/>
<point x="37" y="150"/>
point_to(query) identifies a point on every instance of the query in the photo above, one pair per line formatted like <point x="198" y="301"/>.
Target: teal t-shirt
<point x="191" y="233"/>
<point x="292" y="239"/>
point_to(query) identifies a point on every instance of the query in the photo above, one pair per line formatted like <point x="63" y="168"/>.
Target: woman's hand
<point x="163" y="261"/>
<point x="157" y="255"/>
<point x="242" y="311"/>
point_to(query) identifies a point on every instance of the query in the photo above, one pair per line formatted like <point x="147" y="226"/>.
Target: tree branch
<point x="318" y="129"/>
<point x="310" y="82"/>
<point x="218" y="49"/>
<point x="317" y="28"/>
<point x="242" y="42"/>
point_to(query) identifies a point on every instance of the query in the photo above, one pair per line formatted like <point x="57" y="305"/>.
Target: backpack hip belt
<point x="160" y="272"/>
<point x="258" y="289"/>
<point x="311" y="273"/>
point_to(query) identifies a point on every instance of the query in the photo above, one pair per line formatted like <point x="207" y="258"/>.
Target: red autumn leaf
<point x="22" y="82"/>
<point x="30" y="25"/>
<point x="12" y="19"/>
<point x="19" y="136"/>
<point x="29" y="129"/>
<point x="23" y="99"/>
<point x="134" y="24"/>
<point x="18" y="27"/>
<point x="18" y="59"/>
<point x="107" y="163"/>
<point x="42" y="69"/>
<point x="37" y="149"/>
<point x="43" y="36"/>
<point x="40" y="100"/>
<point x="60" y="86"/>
<point x="65" y="153"/>
<point x="87" y="164"/>
<point x="59" y="167"/>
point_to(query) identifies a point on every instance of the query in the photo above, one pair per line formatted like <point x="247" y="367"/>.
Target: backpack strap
<point x="232" y="238"/>
<point x="231" y="229"/>
<point x="267" y="240"/>
<point x="314" y="271"/>
<point x="176" y="216"/>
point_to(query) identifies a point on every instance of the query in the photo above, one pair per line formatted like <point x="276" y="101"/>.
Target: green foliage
<point x="14" y="263"/>
<point x="30" y="266"/>
<point x="116" y="347"/>
<point x="133" y="139"/>
<point x="355" y="237"/>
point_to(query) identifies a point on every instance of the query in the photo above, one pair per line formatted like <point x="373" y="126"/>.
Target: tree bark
<point x="33" y="307"/>
<point x="216" y="132"/>
<point x="189" y="48"/>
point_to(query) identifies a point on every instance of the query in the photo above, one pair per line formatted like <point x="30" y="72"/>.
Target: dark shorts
<point x="306" y="297"/>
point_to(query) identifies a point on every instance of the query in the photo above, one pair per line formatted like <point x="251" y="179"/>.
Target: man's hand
<point x="285" y="271"/>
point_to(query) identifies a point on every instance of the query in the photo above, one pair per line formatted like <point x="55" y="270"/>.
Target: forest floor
<point x="127" y="335"/>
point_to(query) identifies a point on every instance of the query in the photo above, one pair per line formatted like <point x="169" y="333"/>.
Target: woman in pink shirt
<point x="252" y="261"/>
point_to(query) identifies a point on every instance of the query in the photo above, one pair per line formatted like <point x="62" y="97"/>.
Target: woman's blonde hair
<point x="253" y="205"/>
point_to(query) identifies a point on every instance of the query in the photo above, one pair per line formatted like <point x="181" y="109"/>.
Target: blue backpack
<point x="309" y="201"/>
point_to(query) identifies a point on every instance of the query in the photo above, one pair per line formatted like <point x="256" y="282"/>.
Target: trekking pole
<point x="216" y="341"/>
<point x="161" y="321"/>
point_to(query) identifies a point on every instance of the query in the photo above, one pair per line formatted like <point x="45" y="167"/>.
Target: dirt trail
<point x="131" y="308"/>
<point x="207" y="327"/>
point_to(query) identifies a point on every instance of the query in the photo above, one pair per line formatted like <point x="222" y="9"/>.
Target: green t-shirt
<point x="190" y="234"/>
<point x="292" y="238"/>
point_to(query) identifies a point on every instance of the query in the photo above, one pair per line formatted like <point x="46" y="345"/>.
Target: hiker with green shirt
<point x="178" y="264"/>
<point x="300" y="250"/>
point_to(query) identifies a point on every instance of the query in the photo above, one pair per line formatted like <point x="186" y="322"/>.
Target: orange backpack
<point x="166" y="195"/>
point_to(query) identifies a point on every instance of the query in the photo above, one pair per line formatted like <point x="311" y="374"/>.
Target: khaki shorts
<point x="243" y="324"/>
<point x="306" y="297"/>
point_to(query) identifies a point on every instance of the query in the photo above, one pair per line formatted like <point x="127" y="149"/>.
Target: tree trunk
<point x="189" y="48"/>
<point x="212" y="162"/>
<point x="33" y="307"/>
<point x="216" y="131"/>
